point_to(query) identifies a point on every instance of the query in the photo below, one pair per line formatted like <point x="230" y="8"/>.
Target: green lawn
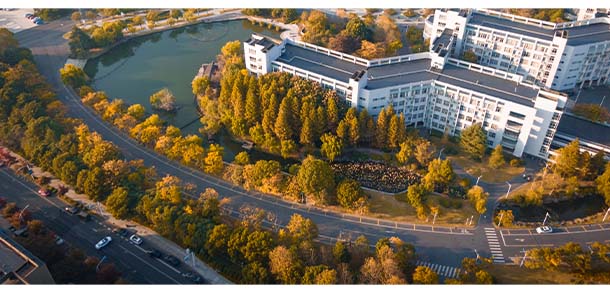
<point x="451" y="211"/>
<point x="513" y="274"/>
<point x="490" y="175"/>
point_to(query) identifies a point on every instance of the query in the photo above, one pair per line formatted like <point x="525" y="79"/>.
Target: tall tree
<point x="603" y="184"/>
<point x="424" y="275"/>
<point x="473" y="141"/>
<point x="317" y="179"/>
<point x="332" y="146"/>
<point x="394" y="132"/>
<point x="307" y="133"/>
<point x="478" y="196"/>
<point x="282" y="127"/>
<point x="440" y="174"/>
<point x="496" y="160"/>
<point x="381" y="132"/>
<point x="568" y="159"/>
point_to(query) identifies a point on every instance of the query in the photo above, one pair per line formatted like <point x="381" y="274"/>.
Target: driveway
<point x="14" y="19"/>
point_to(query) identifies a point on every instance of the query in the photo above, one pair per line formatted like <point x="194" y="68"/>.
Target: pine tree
<point x="382" y="128"/>
<point x="282" y="128"/>
<point x="253" y="108"/>
<point x="237" y="101"/>
<point x="394" y="132"/>
<point x="402" y="130"/>
<point x="307" y="137"/>
<point x="343" y="131"/>
<point x="496" y="160"/>
<point x="320" y="123"/>
<point x="568" y="159"/>
<point x="354" y="131"/>
<point x="473" y="141"/>
<point x="332" y="114"/>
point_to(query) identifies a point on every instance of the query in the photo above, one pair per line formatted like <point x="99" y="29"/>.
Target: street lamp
<point x="601" y="103"/>
<point x="509" y="186"/>
<point x="21" y="213"/>
<point x="478" y="178"/>
<point x="440" y="152"/>
<point x="545" y="217"/>
<point x="606" y="215"/>
<point x="97" y="268"/>
<point x="434" y="219"/>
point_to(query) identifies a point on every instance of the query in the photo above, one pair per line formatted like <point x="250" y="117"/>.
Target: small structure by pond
<point x="377" y="175"/>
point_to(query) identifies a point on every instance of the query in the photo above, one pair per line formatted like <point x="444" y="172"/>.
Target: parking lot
<point x="14" y="20"/>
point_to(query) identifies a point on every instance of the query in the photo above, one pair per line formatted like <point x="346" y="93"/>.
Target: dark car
<point x="198" y="280"/>
<point x="121" y="231"/>
<point x="172" y="260"/>
<point x="155" y="254"/>
<point x="71" y="210"/>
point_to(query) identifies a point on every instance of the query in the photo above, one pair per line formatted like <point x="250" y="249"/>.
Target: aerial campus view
<point x="304" y="146"/>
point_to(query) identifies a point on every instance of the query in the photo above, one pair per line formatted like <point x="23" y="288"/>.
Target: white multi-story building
<point x="589" y="13"/>
<point x="560" y="56"/>
<point x="431" y="89"/>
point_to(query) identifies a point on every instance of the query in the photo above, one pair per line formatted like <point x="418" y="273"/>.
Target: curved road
<point x="442" y="246"/>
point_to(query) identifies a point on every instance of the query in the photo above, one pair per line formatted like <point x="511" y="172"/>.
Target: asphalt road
<point x="136" y="266"/>
<point x="441" y="247"/>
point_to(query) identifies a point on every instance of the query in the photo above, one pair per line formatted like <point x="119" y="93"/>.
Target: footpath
<point x="166" y="245"/>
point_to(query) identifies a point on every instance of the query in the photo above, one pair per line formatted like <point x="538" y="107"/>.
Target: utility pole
<point x="509" y="186"/>
<point x="478" y="178"/>
<point x="545" y="217"/>
<point x="606" y="215"/>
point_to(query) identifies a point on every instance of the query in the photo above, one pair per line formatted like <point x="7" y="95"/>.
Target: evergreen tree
<point x="332" y="113"/>
<point x="603" y="184"/>
<point x="354" y="131"/>
<point x="332" y="146"/>
<point x="496" y="160"/>
<point x="568" y="159"/>
<point x="282" y="127"/>
<point x="394" y="132"/>
<point x="320" y="123"/>
<point x="382" y="129"/>
<point x="473" y="141"/>
<point x="253" y="108"/>
<point x="440" y="174"/>
<point x="343" y="131"/>
<point x="307" y="133"/>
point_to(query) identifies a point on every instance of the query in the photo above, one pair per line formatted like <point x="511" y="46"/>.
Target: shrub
<point x="515" y="162"/>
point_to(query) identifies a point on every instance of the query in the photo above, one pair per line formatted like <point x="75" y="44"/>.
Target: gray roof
<point x="442" y="42"/>
<point x="396" y="74"/>
<point x="511" y="26"/>
<point x="585" y="34"/>
<point x="584" y="129"/>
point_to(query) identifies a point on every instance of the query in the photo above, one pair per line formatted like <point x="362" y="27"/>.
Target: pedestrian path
<point x="494" y="245"/>
<point x="444" y="271"/>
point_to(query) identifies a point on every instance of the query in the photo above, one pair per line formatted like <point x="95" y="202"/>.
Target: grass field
<point x="451" y="211"/>
<point x="490" y="175"/>
<point x="513" y="274"/>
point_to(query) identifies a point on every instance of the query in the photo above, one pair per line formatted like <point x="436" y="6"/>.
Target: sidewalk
<point x="166" y="245"/>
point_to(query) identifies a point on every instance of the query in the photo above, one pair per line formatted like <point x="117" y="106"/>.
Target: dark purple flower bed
<point x="376" y="175"/>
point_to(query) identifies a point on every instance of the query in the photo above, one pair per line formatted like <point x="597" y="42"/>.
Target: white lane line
<point x="155" y="268"/>
<point x="167" y="265"/>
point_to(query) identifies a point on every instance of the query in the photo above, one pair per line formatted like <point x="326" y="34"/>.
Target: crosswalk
<point x="494" y="246"/>
<point x="445" y="271"/>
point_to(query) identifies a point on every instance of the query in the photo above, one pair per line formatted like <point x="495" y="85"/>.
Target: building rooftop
<point x="400" y="73"/>
<point x="443" y="41"/>
<point x="18" y="265"/>
<point x="585" y="34"/>
<point x="511" y="26"/>
<point x="265" y="42"/>
<point x="584" y="129"/>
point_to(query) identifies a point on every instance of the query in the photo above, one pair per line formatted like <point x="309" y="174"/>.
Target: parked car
<point x="59" y="240"/>
<point x="172" y="260"/>
<point x="38" y="22"/>
<point x="104" y="242"/>
<point x="155" y="254"/>
<point x="28" y="15"/>
<point x="135" y="239"/>
<point x="544" y="229"/>
<point x="84" y="216"/>
<point x="121" y="231"/>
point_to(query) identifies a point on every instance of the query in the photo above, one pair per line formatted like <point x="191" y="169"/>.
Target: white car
<point x="544" y="229"/>
<point x="135" y="239"/>
<point x="104" y="242"/>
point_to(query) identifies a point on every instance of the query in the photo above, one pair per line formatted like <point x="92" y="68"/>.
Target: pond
<point x="136" y="69"/>
<point x="561" y="211"/>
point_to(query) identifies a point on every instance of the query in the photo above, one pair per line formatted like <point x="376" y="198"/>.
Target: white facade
<point x="523" y="121"/>
<point x="558" y="56"/>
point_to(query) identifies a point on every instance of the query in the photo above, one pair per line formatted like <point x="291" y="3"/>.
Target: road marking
<point x="155" y="268"/>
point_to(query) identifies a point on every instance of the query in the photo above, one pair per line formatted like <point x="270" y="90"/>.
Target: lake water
<point x="133" y="71"/>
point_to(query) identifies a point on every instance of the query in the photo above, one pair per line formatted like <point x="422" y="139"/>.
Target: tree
<point x="356" y="28"/>
<point x="473" y="141"/>
<point x="350" y="195"/>
<point x="163" y="100"/>
<point x="603" y="184"/>
<point x="232" y="49"/>
<point x="283" y="128"/>
<point x="405" y="153"/>
<point x="80" y="43"/>
<point x="332" y="146"/>
<point x="317" y="179"/>
<point x="424" y="275"/>
<point x="213" y="160"/>
<point x="567" y="160"/>
<point x="316" y="27"/>
<point x="307" y="133"/>
<point x="301" y="229"/>
<point x="73" y="76"/>
<point x="341" y="253"/>
<point x="470" y="56"/>
<point x="440" y="174"/>
<point x="343" y="43"/>
<point x="288" y="148"/>
<point x="118" y="203"/>
<point x="137" y="20"/>
<point x="175" y="13"/>
<point x="242" y="158"/>
<point x="496" y="160"/>
<point x="478" y="196"/>
<point x="76" y="16"/>
<point x="284" y="265"/>
<point x="416" y="194"/>
<point x="199" y="85"/>
<point x="505" y="218"/>
<point x="593" y="112"/>
<point x="394" y="132"/>
<point x="370" y="50"/>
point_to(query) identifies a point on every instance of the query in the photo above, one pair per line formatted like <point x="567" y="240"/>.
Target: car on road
<point x="121" y="231"/>
<point x="71" y="210"/>
<point x="172" y="260"/>
<point x="44" y="192"/>
<point x="544" y="229"/>
<point x="104" y="242"/>
<point x="135" y="239"/>
<point x="155" y="254"/>
<point x="58" y="240"/>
